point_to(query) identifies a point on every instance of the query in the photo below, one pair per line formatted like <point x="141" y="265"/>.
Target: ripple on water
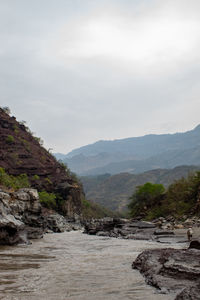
<point x="75" y="266"/>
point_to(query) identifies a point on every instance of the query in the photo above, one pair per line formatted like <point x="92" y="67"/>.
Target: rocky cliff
<point x="22" y="217"/>
<point x="22" y="153"/>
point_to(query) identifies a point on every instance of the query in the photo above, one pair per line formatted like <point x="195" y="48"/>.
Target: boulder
<point x="22" y="218"/>
<point x="58" y="223"/>
<point x="195" y="244"/>
<point x="121" y="228"/>
<point x="34" y="232"/>
<point x="22" y="196"/>
<point x="11" y="229"/>
<point x="33" y="193"/>
<point x="25" y="200"/>
<point x="170" y="270"/>
<point x="191" y="293"/>
<point x="4" y="196"/>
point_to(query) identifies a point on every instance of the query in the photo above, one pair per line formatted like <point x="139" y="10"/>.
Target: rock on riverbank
<point x="172" y="271"/>
<point x="22" y="217"/>
<point x="127" y="229"/>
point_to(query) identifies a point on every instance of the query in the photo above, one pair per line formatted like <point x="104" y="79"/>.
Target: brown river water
<point x="75" y="266"/>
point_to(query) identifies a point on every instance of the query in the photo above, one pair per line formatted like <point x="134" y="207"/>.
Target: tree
<point x="144" y="197"/>
<point x="182" y="195"/>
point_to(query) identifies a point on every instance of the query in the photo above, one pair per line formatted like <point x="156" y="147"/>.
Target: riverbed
<point x="76" y="266"/>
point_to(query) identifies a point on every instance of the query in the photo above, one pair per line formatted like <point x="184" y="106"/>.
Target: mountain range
<point x="136" y="154"/>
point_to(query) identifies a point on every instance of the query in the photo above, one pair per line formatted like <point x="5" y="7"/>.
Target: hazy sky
<point x="83" y="70"/>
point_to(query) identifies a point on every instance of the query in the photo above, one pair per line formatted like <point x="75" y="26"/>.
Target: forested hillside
<point x="114" y="191"/>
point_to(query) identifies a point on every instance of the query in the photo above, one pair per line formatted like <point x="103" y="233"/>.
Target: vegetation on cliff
<point x="25" y="162"/>
<point x="181" y="198"/>
<point x="13" y="182"/>
<point x="23" y="153"/>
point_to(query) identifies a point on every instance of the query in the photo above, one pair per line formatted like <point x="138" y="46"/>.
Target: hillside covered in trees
<point x="114" y="191"/>
<point x="181" y="198"/>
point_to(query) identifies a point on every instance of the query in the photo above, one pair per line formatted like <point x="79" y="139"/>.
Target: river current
<point x="75" y="266"/>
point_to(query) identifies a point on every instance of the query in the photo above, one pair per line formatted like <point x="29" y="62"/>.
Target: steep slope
<point x="21" y="152"/>
<point x="113" y="191"/>
<point x="136" y="155"/>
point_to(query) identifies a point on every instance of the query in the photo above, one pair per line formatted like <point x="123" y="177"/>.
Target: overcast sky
<point x="79" y="71"/>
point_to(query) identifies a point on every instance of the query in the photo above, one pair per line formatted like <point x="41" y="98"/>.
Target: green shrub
<point x="36" y="177"/>
<point x="10" y="139"/>
<point x="26" y="144"/>
<point x="181" y="198"/>
<point x="144" y="198"/>
<point x="48" y="181"/>
<point x="15" y="128"/>
<point x="4" y="178"/>
<point x="15" y="182"/>
<point x="21" y="181"/>
<point x="155" y="213"/>
<point x="86" y="203"/>
<point x="39" y="140"/>
<point x="48" y="199"/>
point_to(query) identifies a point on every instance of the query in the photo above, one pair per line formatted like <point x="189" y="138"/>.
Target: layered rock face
<point x="173" y="271"/>
<point x="23" y="218"/>
<point x="21" y="152"/>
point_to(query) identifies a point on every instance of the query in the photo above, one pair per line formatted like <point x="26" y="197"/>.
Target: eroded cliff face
<point x="21" y="153"/>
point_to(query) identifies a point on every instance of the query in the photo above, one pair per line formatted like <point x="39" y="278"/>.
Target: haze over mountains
<point x="136" y="154"/>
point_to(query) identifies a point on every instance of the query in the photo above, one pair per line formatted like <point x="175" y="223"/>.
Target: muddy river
<point x="75" y="266"/>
